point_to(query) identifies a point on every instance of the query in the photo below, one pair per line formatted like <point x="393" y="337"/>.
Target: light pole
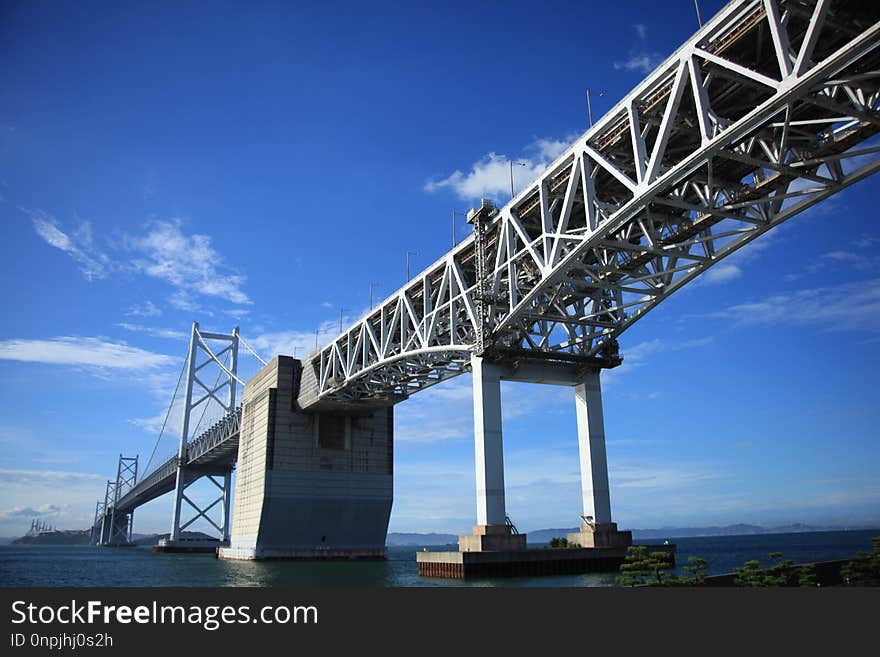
<point x="408" y="254"/>
<point x="341" y="311"/>
<point x="590" y="105"/>
<point x="699" y="18"/>
<point x="455" y="212"/>
<point x="372" y="285"/>
<point x="511" y="163"/>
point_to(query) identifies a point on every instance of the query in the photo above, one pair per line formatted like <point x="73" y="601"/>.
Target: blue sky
<point x="260" y="166"/>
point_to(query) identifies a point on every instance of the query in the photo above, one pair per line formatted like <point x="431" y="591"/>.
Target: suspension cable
<point x="251" y="349"/>
<point x="168" y="412"/>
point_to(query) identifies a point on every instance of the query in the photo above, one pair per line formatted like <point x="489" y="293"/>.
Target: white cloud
<point x="50" y="477"/>
<point x="148" y="309"/>
<point x="92" y="352"/>
<point x="734" y="265"/>
<point x="78" y="245"/>
<point x="860" y="261"/>
<point x="28" y="512"/>
<point x="290" y="343"/>
<point x="489" y="177"/>
<point x="722" y="274"/>
<point x="187" y="262"/>
<point x="849" y="306"/>
<point x="637" y="355"/>
<point x="68" y="498"/>
<point x="640" y="57"/>
<point x="155" y="332"/>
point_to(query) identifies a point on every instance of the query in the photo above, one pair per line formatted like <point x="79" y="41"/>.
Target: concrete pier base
<point x="526" y="563"/>
<point x="315" y="554"/>
<point x="602" y="535"/>
<point x="311" y="484"/>
<point x="188" y="545"/>
<point x="491" y="538"/>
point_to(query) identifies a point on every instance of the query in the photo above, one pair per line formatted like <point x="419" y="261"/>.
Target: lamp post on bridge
<point x="372" y="285"/>
<point x="510" y="164"/>
<point x="590" y="105"/>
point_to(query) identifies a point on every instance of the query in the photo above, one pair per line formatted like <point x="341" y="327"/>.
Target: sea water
<point x="75" y="566"/>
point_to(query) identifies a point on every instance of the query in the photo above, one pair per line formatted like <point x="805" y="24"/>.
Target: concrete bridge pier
<point x="596" y="529"/>
<point x="492" y="531"/>
<point x="314" y="481"/>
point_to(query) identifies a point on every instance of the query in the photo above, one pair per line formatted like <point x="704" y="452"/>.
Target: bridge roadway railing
<point x="199" y="450"/>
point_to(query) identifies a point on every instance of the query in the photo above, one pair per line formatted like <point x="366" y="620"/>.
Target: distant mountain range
<point x="537" y="537"/>
<point x="541" y="536"/>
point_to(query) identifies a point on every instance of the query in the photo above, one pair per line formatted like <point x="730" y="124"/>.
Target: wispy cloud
<point x="147" y="309"/>
<point x="27" y="512"/>
<point x="91" y="352"/>
<point x="849" y="306"/>
<point x="53" y="477"/>
<point x="860" y="261"/>
<point x="489" y="177"/>
<point x="187" y="262"/>
<point x="733" y="266"/>
<point x="637" y="355"/>
<point x="640" y="58"/>
<point x="294" y="343"/>
<point x="79" y="244"/>
<point x="155" y="332"/>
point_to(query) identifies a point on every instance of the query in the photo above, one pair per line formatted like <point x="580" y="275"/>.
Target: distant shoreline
<point x="537" y="537"/>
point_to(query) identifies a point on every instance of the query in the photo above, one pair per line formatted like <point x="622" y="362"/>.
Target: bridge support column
<point x="596" y="530"/>
<point x="492" y="532"/>
<point x="314" y="484"/>
<point x="115" y="530"/>
<point x="187" y="473"/>
<point x="227" y="498"/>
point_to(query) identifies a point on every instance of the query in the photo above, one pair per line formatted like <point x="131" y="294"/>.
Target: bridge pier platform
<point x="188" y="545"/>
<point x="526" y="563"/>
<point x="495" y="548"/>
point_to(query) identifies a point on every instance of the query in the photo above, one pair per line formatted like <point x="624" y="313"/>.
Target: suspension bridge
<point x="769" y="109"/>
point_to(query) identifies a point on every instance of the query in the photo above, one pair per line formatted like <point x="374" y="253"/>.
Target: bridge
<point x="772" y="107"/>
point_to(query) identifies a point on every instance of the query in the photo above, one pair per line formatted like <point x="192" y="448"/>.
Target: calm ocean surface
<point x="88" y="566"/>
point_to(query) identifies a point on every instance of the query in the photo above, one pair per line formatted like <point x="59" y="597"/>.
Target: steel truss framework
<point x="204" y="351"/>
<point x="770" y="108"/>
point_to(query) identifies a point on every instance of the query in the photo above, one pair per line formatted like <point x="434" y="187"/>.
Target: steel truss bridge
<point x="771" y="107"/>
